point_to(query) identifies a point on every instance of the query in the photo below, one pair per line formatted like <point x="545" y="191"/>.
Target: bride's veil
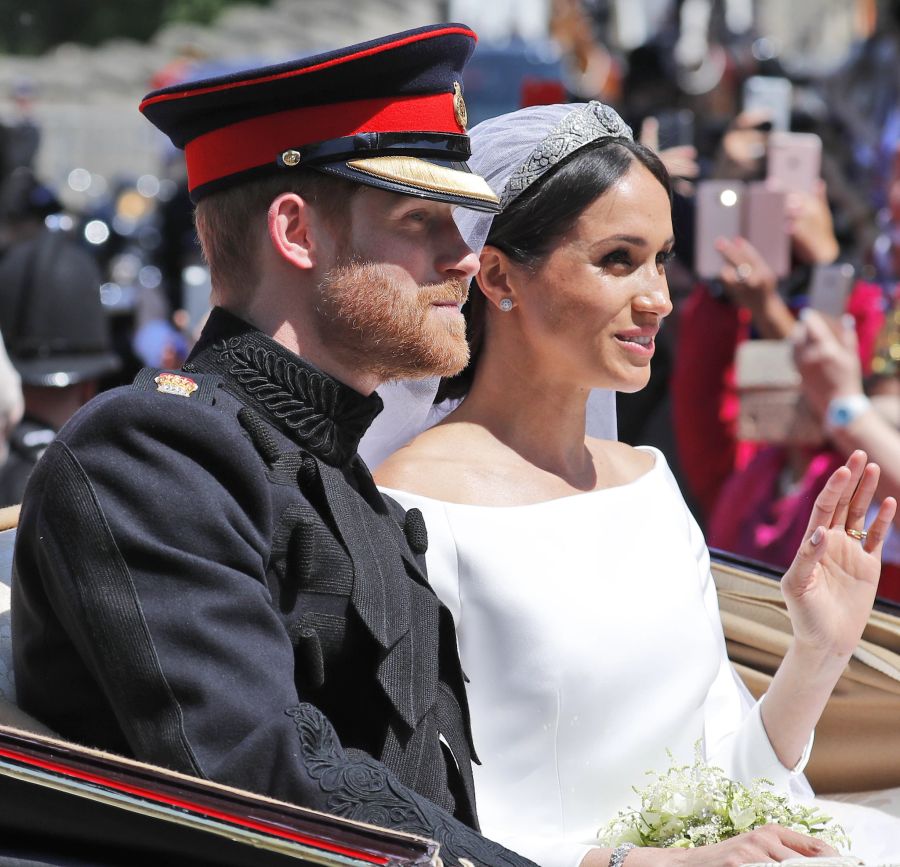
<point x="409" y="409"/>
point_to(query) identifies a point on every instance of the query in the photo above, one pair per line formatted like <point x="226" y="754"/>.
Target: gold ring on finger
<point x="860" y="535"/>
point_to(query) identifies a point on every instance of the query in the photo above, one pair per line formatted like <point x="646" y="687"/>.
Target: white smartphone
<point x="765" y="226"/>
<point x="718" y="205"/>
<point x="830" y="287"/>
<point x="771" y="94"/>
<point x="794" y="161"/>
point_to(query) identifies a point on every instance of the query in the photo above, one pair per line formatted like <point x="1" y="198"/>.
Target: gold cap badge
<point x="459" y="106"/>
<point x="291" y="158"/>
<point x="174" y="383"/>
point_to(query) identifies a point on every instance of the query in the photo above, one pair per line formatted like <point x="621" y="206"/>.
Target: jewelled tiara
<point x="578" y="128"/>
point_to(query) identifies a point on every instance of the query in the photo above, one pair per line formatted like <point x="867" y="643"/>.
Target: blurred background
<point x="780" y="123"/>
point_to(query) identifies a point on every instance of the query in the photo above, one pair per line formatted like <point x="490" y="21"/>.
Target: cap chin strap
<point x="409" y="409"/>
<point x="438" y="146"/>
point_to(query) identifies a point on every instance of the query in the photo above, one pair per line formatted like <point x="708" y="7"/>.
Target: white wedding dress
<point x="589" y="629"/>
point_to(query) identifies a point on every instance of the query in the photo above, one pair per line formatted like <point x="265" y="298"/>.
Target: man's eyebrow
<point x="408" y="203"/>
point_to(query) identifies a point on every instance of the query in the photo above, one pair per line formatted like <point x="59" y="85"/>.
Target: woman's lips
<point x="640" y="342"/>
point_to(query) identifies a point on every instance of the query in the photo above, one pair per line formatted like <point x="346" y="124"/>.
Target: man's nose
<point x="458" y="260"/>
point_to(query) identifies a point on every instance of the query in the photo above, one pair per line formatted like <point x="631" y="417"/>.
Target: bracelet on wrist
<point x="619" y="854"/>
<point x="845" y="409"/>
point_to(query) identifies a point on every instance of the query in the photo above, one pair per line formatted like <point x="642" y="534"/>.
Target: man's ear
<point x="496" y="276"/>
<point x="292" y="230"/>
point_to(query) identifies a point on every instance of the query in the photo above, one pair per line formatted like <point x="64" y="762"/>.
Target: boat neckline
<point x="658" y="463"/>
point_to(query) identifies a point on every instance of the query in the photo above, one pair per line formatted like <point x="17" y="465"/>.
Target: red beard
<point x="376" y="324"/>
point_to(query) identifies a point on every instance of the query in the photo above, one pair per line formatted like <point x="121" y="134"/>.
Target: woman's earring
<point x="506" y="304"/>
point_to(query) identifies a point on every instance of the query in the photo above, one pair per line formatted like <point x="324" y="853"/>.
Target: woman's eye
<point x="617" y="257"/>
<point x="665" y="257"/>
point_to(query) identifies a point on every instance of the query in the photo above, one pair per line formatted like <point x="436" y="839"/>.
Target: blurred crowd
<point x="782" y="354"/>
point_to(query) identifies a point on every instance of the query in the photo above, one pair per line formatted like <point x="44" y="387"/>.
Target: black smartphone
<point x="676" y="127"/>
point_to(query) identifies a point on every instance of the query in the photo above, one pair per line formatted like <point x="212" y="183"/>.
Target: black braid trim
<point x="326" y="416"/>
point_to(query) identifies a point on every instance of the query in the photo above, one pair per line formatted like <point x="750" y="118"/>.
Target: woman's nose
<point x="655" y="298"/>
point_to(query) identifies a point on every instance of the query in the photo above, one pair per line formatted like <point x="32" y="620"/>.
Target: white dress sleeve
<point x="734" y="736"/>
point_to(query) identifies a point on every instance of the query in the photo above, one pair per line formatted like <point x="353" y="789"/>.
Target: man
<point x="206" y="576"/>
<point x="57" y="335"/>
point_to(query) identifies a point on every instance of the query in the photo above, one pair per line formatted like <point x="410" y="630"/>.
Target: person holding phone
<point x="754" y="498"/>
<point x="852" y="415"/>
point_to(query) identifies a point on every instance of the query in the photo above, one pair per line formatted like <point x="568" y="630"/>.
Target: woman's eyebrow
<point x="634" y="240"/>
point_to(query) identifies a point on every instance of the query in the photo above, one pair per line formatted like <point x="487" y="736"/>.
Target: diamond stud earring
<point x="506" y="304"/>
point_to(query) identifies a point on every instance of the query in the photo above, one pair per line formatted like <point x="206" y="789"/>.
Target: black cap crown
<point x="387" y="113"/>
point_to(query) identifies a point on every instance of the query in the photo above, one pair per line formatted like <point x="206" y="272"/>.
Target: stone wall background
<point x="87" y="98"/>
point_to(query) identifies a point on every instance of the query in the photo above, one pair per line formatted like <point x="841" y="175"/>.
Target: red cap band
<point x="259" y="141"/>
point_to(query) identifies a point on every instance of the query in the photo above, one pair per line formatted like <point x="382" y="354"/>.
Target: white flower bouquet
<point x="695" y="805"/>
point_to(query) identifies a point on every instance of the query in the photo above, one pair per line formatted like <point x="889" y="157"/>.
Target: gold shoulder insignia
<point x="175" y="383"/>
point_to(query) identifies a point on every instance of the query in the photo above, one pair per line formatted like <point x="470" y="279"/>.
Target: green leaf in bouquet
<point x="697" y="805"/>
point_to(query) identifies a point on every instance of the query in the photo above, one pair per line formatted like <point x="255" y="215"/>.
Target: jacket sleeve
<point x="149" y="526"/>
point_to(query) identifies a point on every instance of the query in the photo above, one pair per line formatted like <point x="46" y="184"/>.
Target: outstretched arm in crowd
<point x="830" y="368"/>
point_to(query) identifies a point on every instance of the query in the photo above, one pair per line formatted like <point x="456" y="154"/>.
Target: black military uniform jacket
<point x="208" y="579"/>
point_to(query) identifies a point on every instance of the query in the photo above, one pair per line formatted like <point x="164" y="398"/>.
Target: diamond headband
<point x="578" y="128"/>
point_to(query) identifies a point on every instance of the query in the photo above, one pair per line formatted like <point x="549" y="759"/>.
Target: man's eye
<point x="417" y="216"/>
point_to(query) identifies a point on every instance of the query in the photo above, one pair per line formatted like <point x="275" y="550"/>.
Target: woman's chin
<point x="630" y="382"/>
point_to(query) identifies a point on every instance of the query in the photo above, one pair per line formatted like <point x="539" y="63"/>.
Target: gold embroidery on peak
<point x="425" y="176"/>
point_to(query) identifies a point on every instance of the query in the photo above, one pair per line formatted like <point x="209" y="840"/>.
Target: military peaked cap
<point x="387" y="113"/>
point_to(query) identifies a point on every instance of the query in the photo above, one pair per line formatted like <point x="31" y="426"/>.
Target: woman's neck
<point x="538" y="416"/>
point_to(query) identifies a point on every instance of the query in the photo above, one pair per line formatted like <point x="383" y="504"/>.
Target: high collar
<point x="315" y="410"/>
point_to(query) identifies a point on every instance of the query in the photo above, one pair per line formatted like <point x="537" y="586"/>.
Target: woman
<point x="585" y="612"/>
